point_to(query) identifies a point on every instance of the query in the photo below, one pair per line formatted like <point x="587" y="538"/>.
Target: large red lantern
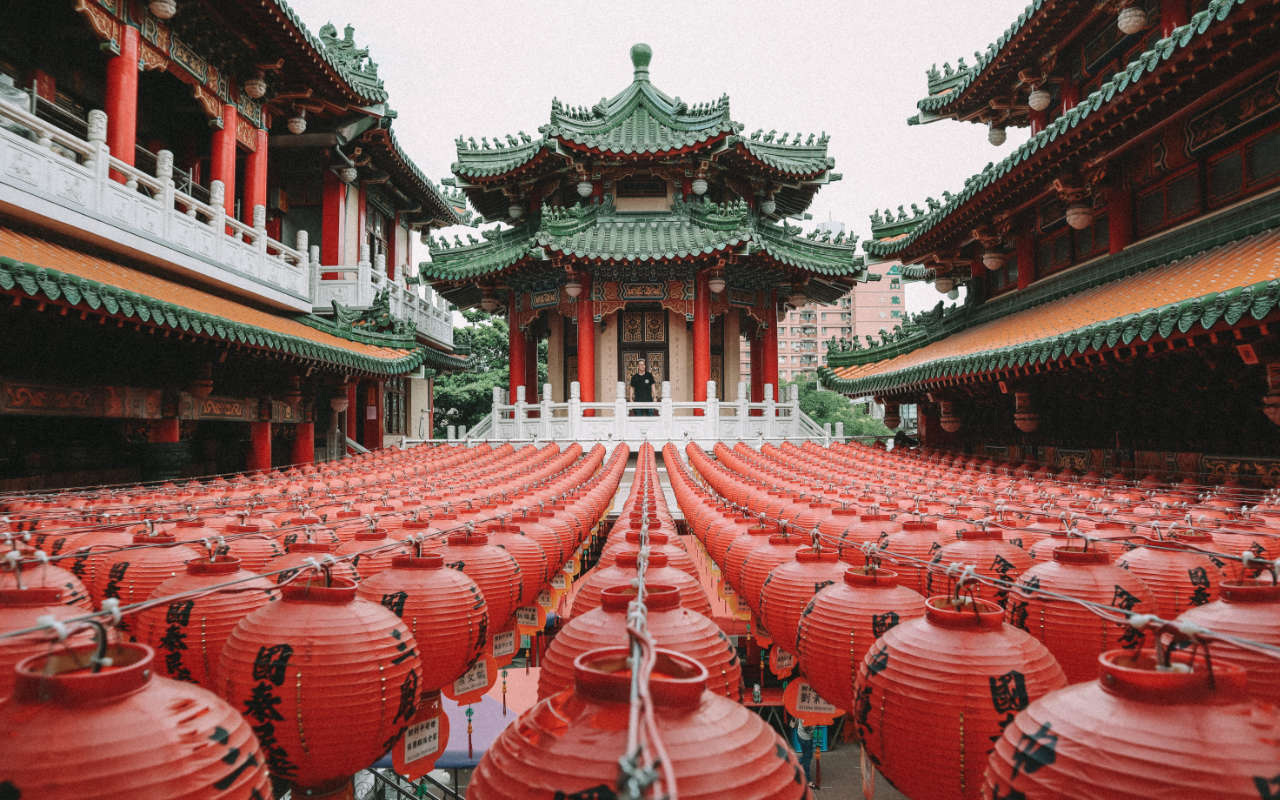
<point x="1246" y="611"/>
<point x="1177" y="574"/>
<point x="303" y="554"/>
<point x="671" y="625"/>
<point x="779" y="549"/>
<point x="371" y="551"/>
<point x="1074" y="634"/>
<point x="841" y="623"/>
<point x="32" y="574"/>
<point x="934" y="693"/>
<point x="134" y="573"/>
<point x="494" y="570"/>
<point x="790" y="586"/>
<point x="251" y="546"/>
<point x="991" y="557"/>
<point x="444" y="609"/>
<point x="188" y="633"/>
<point x="569" y="744"/>
<point x="1142" y="731"/>
<point x="69" y="732"/>
<point x="907" y="551"/>
<point x="327" y="680"/>
<point x="623" y="570"/>
<point x="20" y="608"/>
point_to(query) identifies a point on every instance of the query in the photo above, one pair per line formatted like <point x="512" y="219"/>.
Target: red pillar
<point x="586" y="342"/>
<point x="770" y="355"/>
<point x="531" y="369"/>
<point x="1038" y="120"/>
<point x="304" y="444"/>
<point x="255" y="177"/>
<point x="362" y="214"/>
<point x="1070" y="95"/>
<point x="165" y="430"/>
<point x="1119" y="217"/>
<point x="122" y="98"/>
<point x="259" y="447"/>
<point x="1173" y="14"/>
<point x="372" y="415"/>
<point x="222" y="157"/>
<point x="515" y="349"/>
<point x="332" y="210"/>
<point x="354" y="411"/>
<point x="757" y="369"/>
<point x="701" y="338"/>
<point x="1026" y="254"/>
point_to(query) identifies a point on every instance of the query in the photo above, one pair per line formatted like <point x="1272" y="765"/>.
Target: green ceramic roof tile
<point x="476" y="160"/>
<point x="800" y="156"/>
<point x="601" y="233"/>
<point x="428" y="189"/>
<point x="353" y="64"/>
<point x="55" y="285"/>
<point x="1216" y="12"/>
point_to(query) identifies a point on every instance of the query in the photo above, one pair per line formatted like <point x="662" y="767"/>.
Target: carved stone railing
<point x="51" y="174"/>
<point x="357" y="288"/>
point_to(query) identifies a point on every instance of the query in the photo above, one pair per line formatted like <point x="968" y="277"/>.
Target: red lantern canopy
<point x="494" y="570"/>
<point x="1178" y="576"/>
<point x="934" y="693"/>
<point x="20" y="608"/>
<point x="841" y="623"/>
<point x="623" y="570"/>
<point x="1141" y="731"/>
<point x="327" y="680"/>
<point x="570" y="743"/>
<point x="189" y="632"/>
<point x="69" y="732"/>
<point x="444" y="609"/>
<point x="1075" y="635"/>
<point x="1247" y="611"/>
<point x="671" y="625"/>
<point x="790" y="586"/>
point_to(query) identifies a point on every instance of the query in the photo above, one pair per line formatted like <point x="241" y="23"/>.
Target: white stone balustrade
<point x="356" y="287"/>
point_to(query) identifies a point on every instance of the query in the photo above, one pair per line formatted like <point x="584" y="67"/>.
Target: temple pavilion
<point x="643" y="226"/>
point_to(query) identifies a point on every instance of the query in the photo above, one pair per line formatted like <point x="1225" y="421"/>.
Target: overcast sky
<point x="854" y="69"/>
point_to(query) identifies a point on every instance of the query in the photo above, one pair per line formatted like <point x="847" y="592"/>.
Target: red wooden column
<point x="1070" y="95"/>
<point x="255" y="177"/>
<point x="259" y="447"/>
<point x="515" y="349"/>
<point x="701" y="339"/>
<point x="770" y="354"/>
<point x="222" y="157"/>
<point x="332" y="209"/>
<point x="586" y="342"/>
<point x="757" y="369"/>
<point x="122" y="99"/>
<point x="166" y="430"/>
<point x="1038" y="120"/>
<point x="1119" y="216"/>
<point x="531" y="368"/>
<point x="1026" y="254"/>
<point x="1173" y="14"/>
<point x="354" y="411"/>
<point x="304" y="444"/>
<point x="371" y="413"/>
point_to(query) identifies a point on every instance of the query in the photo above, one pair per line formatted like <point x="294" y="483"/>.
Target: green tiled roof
<point x="353" y="65"/>
<point x="600" y="233"/>
<point x="483" y="160"/>
<point x="807" y="157"/>
<point x="428" y="190"/>
<point x="55" y="285"/>
<point x="1216" y="13"/>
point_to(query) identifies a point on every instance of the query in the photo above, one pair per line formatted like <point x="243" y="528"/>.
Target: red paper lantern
<point x="327" y="680"/>
<point x="779" y="549"/>
<point x="1075" y="635"/>
<point x="570" y="743"/>
<point x="134" y="573"/>
<point x="32" y="574"/>
<point x="534" y="561"/>
<point x="841" y="623"/>
<point x="736" y="551"/>
<point x="301" y="554"/>
<point x="188" y="633"/>
<point x="494" y="570"/>
<point x="444" y="609"/>
<point x="790" y="586"/>
<point x="371" y="563"/>
<point x="671" y="625"/>
<point x="69" y="733"/>
<point x="20" y="608"/>
<point x="1178" y="575"/>
<point x="904" y="551"/>
<point x="251" y="546"/>
<point x="991" y="557"/>
<point x="1140" y="731"/>
<point x="934" y="693"/>
<point x="1247" y="611"/>
<point x="623" y="570"/>
<point x="659" y="542"/>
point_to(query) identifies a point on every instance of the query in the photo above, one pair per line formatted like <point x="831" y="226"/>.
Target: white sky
<point x="854" y="69"/>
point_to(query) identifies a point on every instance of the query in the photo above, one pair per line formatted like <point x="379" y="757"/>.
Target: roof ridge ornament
<point x="641" y="55"/>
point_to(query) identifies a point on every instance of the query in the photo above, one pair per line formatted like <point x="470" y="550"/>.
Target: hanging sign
<point x="781" y="663"/>
<point x="424" y="740"/>
<point x="472" y="685"/>
<point x="504" y="645"/>
<point x="805" y="704"/>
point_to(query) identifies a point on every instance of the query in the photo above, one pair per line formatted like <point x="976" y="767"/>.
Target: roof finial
<point x="640" y="55"/>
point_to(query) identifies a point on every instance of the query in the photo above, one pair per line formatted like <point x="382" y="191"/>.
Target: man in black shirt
<point x="641" y="389"/>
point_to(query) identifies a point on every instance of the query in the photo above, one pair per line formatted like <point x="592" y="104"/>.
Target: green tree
<point x="825" y="406"/>
<point x="464" y="398"/>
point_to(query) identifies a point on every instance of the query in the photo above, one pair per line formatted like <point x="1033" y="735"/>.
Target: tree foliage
<point x="826" y="406"/>
<point x="464" y="398"/>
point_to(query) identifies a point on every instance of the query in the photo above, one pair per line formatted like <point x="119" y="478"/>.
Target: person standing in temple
<point x="641" y="389"/>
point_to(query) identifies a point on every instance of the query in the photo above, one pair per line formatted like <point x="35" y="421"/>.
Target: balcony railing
<point x="79" y="178"/>
<point x="668" y="421"/>
<point x="357" y="287"/>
